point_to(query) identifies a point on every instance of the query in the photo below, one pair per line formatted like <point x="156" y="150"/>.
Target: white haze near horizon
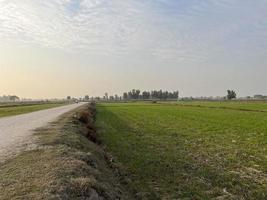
<point x="56" y="48"/>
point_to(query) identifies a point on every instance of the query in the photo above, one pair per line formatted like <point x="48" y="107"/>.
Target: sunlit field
<point x="172" y="151"/>
<point x="9" y="109"/>
<point x="242" y="105"/>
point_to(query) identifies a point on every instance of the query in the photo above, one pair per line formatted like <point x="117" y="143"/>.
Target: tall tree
<point x="125" y="96"/>
<point x="145" y="95"/>
<point x="86" y="98"/>
<point x="231" y="94"/>
<point x="106" y="96"/>
<point x="116" y="97"/>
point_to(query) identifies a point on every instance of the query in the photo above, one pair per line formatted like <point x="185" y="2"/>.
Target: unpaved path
<point x="16" y="131"/>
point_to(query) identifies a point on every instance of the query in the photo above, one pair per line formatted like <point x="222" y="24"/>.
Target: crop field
<point x="173" y="151"/>
<point x="8" y="109"/>
<point x="241" y="105"/>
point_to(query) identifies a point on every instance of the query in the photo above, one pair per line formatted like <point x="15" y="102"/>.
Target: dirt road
<point x="16" y="132"/>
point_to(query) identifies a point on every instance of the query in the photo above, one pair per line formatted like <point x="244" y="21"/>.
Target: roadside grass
<point x="64" y="165"/>
<point x="16" y="109"/>
<point x="180" y="152"/>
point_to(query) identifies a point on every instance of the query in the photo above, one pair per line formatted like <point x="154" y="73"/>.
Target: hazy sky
<point x="55" y="48"/>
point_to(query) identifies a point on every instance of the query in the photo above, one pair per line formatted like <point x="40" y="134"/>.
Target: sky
<point x="55" y="48"/>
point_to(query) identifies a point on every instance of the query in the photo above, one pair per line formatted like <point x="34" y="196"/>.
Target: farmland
<point x="237" y="105"/>
<point x="188" y="150"/>
<point x="10" y="109"/>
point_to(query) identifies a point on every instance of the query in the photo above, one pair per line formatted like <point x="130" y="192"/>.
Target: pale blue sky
<point x="55" y="48"/>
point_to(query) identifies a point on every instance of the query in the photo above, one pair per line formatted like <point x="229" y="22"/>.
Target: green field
<point x="243" y="105"/>
<point x="173" y="151"/>
<point x="16" y="109"/>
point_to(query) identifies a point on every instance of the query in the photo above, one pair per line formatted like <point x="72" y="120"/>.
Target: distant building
<point x="259" y="96"/>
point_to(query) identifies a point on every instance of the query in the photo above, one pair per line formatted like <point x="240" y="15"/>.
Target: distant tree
<point x="116" y="97"/>
<point x="258" y="96"/>
<point x="106" y="96"/>
<point x="14" y="98"/>
<point x="231" y="94"/>
<point x="68" y="97"/>
<point x="134" y="94"/>
<point x="165" y="95"/>
<point x="130" y="95"/>
<point x="125" y="96"/>
<point x="137" y="94"/>
<point x="154" y="94"/>
<point x="86" y="98"/>
<point x="111" y="98"/>
<point x="175" y="95"/>
<point x="145" y="95"/>
<point x="171" y="95"/>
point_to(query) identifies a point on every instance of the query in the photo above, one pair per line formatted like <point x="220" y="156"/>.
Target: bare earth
<point x="16" y="131"/>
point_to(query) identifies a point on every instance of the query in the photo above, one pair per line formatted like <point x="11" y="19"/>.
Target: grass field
<point x="16" y="109"/>
<point x="172" y="151"/>
<point x="243" y="105"/>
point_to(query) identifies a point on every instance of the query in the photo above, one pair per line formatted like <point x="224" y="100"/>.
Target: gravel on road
<point x="16" y="131"/>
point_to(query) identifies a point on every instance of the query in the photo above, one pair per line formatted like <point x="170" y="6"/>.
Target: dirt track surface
<point x="16" y="131"/>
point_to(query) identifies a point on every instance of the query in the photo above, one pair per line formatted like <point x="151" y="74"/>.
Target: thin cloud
<point x="185" y="31"/>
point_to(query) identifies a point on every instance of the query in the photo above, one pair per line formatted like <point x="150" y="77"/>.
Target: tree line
<point x="9" y="98"/>
<point x="136" y="94"/>
<point x="154" y="94"/>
